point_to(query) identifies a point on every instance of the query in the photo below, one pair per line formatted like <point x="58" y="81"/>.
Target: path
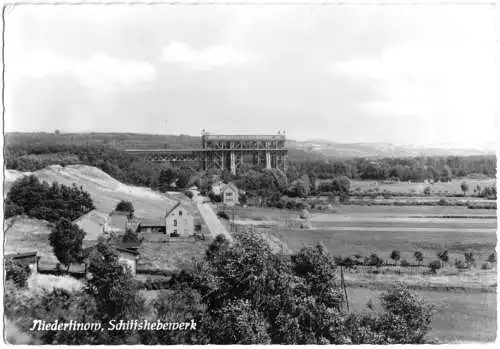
<point x="211" y="220"/>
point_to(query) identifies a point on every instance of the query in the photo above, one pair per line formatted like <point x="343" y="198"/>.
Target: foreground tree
<point x="66" y="240"/>
<point x="17" y="272"/>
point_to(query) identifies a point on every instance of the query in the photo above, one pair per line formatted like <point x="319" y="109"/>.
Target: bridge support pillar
<point x="233" y="163"/>
<point x="268" y="159"/>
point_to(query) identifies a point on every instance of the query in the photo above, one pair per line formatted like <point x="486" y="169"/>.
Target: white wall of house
<point x="179" y="221"/>
<point x="230" y="196"/>
<point x="128" y="260"/>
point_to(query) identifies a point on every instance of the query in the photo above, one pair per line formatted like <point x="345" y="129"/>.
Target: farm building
<point x="118" y="221"/>
<point x="230" y="194"/>
<point x="27" y="258"/>
<point x="179" y="221"/>
<point x="152" y="226"/>
<point x="127" y="255"/>
<point x="94" y="224"/>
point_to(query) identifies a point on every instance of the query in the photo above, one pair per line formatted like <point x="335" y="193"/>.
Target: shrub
<point x="374" y="260"/>
<point x="486" y="266"/>
<point x="460" y="264"/>
<point x="188" y="193"/>
<point x="223" y="215"/>
<point x="17" y="272"/>
<point x="442" y="202"/>
<point x="435" y="265"/>
<point x="405" y="263"/>
<point x="492" y="258"/>
<point x="427" y="191"/>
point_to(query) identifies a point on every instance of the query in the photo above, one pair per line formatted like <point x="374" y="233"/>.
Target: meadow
<point x="458" y="316"/>
<point x="452" y="187"/>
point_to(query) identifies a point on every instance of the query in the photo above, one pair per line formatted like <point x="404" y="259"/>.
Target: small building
<point x="151" y="226"/>
<point x="229" y="194"/>
<point x="94" y="223"/>
<point x="118" y="221"/>
<point x="27" y="258"/>
<point x="128" y="257"/>
<point x="179" y="221"/>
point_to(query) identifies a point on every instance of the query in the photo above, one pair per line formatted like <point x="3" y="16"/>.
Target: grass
<point x="452" y="187"/>
<point x="458" y="317"/>
<point x="170" y="255"/>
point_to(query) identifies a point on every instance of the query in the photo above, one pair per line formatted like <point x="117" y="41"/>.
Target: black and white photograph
<point x="236" y="172"/>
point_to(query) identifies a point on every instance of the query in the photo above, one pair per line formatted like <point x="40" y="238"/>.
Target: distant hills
<point x="328" y="149"/>
<point x="298" y="150"/>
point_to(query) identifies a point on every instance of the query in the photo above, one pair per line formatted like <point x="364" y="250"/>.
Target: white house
<point x="179" y="221"/>
<point x="230" y="194"/>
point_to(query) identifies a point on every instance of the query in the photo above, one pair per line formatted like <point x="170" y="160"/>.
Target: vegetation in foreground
<point x="237" y="294"/>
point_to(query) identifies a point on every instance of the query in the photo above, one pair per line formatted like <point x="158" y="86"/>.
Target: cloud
<point x="99" y="71"/>
<point x="432" y="78"/>
<point x="447" y="85"/>
<point x="205" y="59"/>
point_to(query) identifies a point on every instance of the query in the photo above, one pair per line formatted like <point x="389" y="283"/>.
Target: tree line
<point x="133" y="170"/>
<point x="237" y="293"/>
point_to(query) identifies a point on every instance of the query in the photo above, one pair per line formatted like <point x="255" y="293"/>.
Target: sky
<point x="420" y="75"/>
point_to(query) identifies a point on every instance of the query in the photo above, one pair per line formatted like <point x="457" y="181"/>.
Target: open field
<point x="452" y="187"/>
<point x="458" y="317"/>
<point x="170" y="255"/>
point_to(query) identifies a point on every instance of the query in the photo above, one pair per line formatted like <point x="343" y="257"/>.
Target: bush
<point x="374" y="260"/>
<point x="460" y="264"/>
<point x="442" y="202"/>
<point x="188" y="193"/>
<point x="435" y="265"/>
<point x="17" y="272"/>
<point x="492" y="258"/>
<point x="223" y="215"/>
<point x="486" y="266"/>
<point x="405" y="263"/>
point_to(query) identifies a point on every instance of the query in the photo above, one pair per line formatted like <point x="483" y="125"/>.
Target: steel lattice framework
<point x="225" y="152"/>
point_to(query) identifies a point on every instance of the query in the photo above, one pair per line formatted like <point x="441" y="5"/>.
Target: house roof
<point x="20" y="255"/>
<point x="94" y="216"/>
<point x="227" y="186"/>
<point x="119" y="213"/>
<point x="151" y="223"/>
<point x="127" y="250"/>
<point x="173" y="208"/>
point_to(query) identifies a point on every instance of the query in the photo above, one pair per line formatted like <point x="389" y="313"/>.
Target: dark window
<point x="175" y="222"/>
<point x="180" y="213"/>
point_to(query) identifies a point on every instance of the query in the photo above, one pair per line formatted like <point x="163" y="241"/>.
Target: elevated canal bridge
<point x="225" y="152"/>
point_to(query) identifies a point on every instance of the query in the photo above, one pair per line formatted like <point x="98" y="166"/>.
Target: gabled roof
<point x="230" y="185"/>
<point x="94" y="216"/>
<point x="127" y="250"/>
<point x="173" y="208"/>
<point x="20" y="255"/>
<point x="119" y="213"/>
<point x="151" y="223"/>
